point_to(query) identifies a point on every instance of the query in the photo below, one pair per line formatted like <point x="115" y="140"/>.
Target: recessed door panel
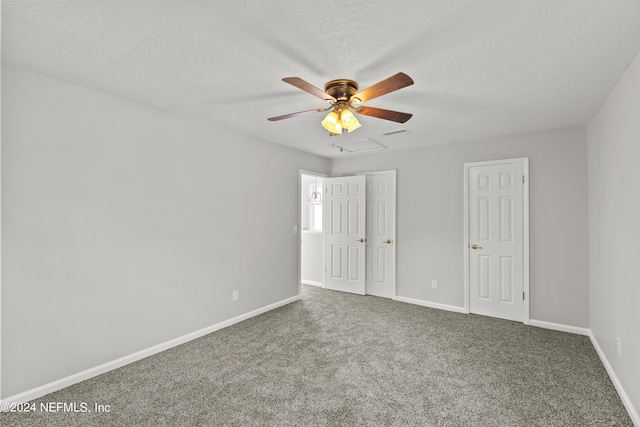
<point x="506" y="219"/>
<point x="353" y="218"/>
<point x="484" y="277"/>
<point x="354" y="188"/>
<point x="369" y="216"/>
<point x="484" y="182"/>
<point x="506" y="180"/>
<point x="336" y="218"/>
<point x="382" y="264"/>
<point x="484" y="218"/>
<point x="336" y="261"/>
<point x="506" y="279"/>
<point x="383" y="187"/>
<point x="368" y="263"/>
<point x="353" y="270"/>
<point x="382" y="218"/>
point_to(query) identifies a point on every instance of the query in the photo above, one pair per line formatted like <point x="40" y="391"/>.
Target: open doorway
<point x="368" y="256"/>
<point x="312" y="229"/>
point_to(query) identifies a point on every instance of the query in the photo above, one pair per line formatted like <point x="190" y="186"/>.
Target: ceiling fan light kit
<point x="343" y="95"/>
<point x="338" y="120"/>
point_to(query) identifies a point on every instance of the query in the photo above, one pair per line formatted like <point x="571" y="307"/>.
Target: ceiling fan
<point x="345" y="99"/>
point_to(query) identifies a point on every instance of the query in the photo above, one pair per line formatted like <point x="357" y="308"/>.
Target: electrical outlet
<point x="434" y="284"/>
<point x="619" y="346"/>
<point x="234" y="296"/>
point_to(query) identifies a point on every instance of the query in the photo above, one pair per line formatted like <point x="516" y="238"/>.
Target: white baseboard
<point x="559" y="327"/>
<point x="125" y="360"/>
<point x="633" y="413"/>
<point x="430" y="304"/>
<point x="311" y="282"/>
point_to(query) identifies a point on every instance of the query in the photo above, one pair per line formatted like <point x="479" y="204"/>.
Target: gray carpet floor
<point x="334" y="359"/>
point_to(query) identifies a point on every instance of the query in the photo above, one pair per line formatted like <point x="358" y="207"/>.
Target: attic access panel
<point x="360" y="145"/>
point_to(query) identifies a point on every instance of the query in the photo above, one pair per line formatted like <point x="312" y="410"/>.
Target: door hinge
<point x="523" y="179"/>
<point x="523" y="296"/>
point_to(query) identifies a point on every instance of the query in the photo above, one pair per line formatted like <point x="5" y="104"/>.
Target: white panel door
<point x="380" y="263"/>
<point x="496" y="257"/>
<point x="345" y="234"/>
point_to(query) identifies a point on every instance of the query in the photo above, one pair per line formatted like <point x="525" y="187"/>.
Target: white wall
<point x="312" y="241"/>
<point x="614" y="229"/>
<point x="125" y="226"/>
<point x="312" y="257"/>
<point x="430" y="218"/>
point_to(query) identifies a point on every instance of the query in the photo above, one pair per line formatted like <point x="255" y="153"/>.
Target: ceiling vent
<point x="395" y="132"/>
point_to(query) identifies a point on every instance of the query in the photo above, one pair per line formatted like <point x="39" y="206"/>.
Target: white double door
<point x="360" y="234"/>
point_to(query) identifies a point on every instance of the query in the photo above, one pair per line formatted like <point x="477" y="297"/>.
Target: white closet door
<point x="345" y="234"/>
<point x="496" y="256"/>
<point x="380" y="270"/>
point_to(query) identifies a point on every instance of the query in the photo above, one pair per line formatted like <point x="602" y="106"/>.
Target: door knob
<point x="388" y="241"/>
<point x="361" y="240"/>
<point x="474" y="246"/>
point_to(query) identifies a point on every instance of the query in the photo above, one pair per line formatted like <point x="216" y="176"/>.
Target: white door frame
<point x="525" y="229"/>
<point x="392" y="172"/>
<point x="299" y="231"/>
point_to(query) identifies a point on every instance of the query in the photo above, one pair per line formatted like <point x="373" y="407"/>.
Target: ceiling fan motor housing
<point x="341" y="89"/>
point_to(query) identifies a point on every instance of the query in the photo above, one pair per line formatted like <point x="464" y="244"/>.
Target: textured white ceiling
<point x="481" y="68"/>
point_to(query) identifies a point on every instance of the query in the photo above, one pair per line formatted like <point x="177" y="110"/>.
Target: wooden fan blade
<point x="299" y="113"/>
<point x="393" y="83"/>
<point x="394" y="116"/>
<point x="308" y="87"/>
